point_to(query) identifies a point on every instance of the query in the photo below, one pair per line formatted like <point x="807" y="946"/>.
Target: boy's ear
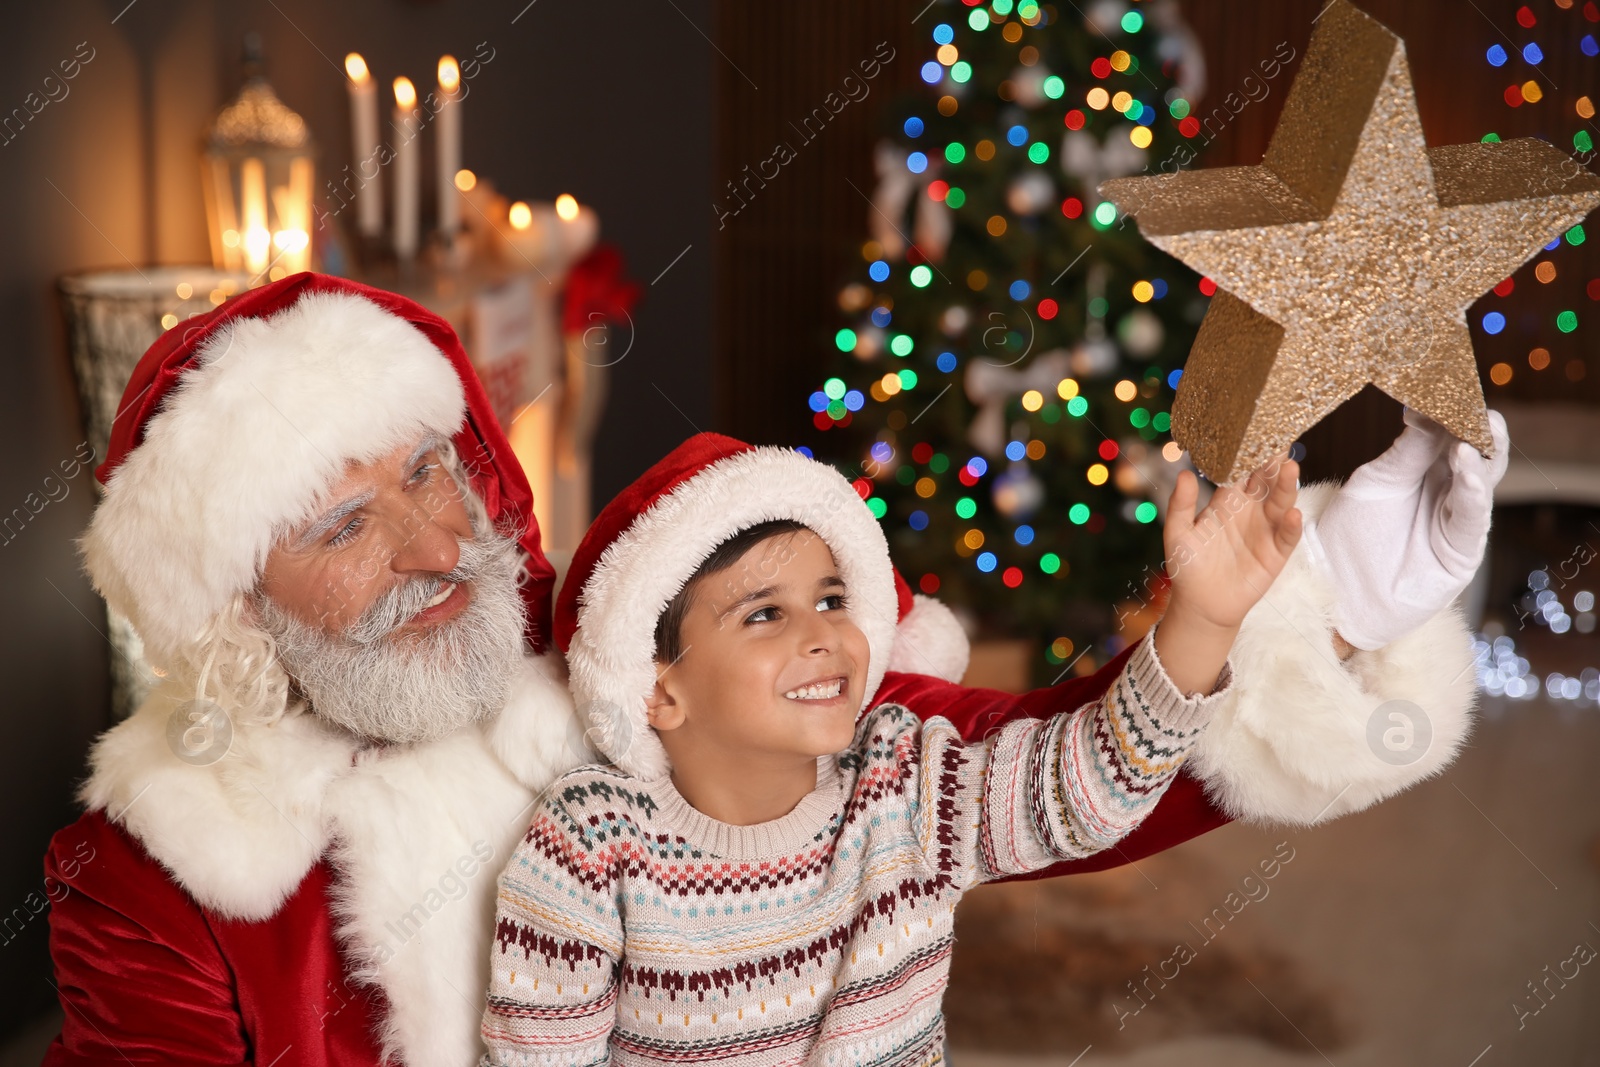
<point x="663" y="709"/>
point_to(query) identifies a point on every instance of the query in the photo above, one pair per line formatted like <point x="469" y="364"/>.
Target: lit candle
<point x="579" y="227"/>
<point x="253" y="198"/>
<point x="406" y="169"/>
<point x="364" y="144"/>
<point x="292" y="204"/>
<point x="527" y="240"/>
<point x="449" y="146"/>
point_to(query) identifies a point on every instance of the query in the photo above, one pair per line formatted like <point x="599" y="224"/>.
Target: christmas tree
<point x="1002" y="379"/>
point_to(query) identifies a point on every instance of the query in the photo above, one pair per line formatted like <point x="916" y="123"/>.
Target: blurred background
<point x="871" y="231"/>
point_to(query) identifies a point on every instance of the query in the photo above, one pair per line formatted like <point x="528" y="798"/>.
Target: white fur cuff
<point x="1307" y="738"/>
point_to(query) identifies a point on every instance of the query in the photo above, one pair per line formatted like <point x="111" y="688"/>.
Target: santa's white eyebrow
<point x="333" y="518"/>
<point x="339" y="512"/>
<point x="428" y="445"/>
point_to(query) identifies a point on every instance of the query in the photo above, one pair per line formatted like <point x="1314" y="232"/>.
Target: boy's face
<point x="772" y="667"/>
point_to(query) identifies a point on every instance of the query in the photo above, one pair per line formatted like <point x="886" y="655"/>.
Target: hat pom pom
<point x="930" y="640"/>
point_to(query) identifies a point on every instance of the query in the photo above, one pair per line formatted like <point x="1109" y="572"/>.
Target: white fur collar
<point x="417" y="836"/>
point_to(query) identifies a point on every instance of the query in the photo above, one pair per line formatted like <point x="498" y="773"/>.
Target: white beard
<point x="415" y="687"/>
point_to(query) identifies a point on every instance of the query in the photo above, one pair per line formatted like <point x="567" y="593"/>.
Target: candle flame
<point x="257" y="242"/>
<point x="405" y="94"/>
<point x="253" y="204"/>
<point x="521" y="216"/>
<point x="567" y="207"/>
<point x="466" y="181"/>
<point x="449" y="74"/>
<point x="356" y="67"/>
<point x="291" y="240"/>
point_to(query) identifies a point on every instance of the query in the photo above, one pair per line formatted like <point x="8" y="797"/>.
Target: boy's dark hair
<point x="670" y="623"/>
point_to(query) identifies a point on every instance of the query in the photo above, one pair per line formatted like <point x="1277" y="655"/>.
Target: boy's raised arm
<point x="1082" y="780"/>
<point x="1184" y="810"/>
<point x="1041" y="791"/>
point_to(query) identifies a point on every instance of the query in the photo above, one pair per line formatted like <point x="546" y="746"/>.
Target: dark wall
<point x="616" y="110"/>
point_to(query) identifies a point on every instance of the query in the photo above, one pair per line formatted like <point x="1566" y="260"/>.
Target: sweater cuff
<point x="1167" y="704"/>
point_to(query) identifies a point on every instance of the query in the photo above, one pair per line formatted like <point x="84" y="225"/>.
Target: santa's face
<point x="387" y="524"/>
<point x="391" y="614"/>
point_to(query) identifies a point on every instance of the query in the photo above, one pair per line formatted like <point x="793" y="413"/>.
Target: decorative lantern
<point x="259" y="173"/>
<point x="112" y="318"/>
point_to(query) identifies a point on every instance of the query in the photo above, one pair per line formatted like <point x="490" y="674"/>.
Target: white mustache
<point x="396" y="606"/>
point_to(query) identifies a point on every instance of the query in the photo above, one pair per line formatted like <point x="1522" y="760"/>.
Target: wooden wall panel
<point x="780" y="259"/>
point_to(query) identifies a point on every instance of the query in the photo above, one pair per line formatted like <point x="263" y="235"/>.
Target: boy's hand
<point x="1222" y="560"/>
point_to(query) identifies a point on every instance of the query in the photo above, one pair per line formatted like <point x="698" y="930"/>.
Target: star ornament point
<point x="1348" y="256"/>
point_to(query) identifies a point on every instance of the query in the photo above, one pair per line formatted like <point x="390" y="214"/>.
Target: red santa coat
<point x="148" y="976"/>
<point x="324" y="905"/>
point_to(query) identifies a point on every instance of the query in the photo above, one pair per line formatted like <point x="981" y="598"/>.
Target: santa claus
<point x="320" y="534"/>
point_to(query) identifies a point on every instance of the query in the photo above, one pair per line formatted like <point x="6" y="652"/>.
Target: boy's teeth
<point x="820" y="691"/>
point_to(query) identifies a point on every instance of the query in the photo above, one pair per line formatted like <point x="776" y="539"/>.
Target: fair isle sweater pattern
<point x="632" y="929"/>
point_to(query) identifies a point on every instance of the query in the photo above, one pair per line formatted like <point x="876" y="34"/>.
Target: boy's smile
<point x="772" y="675"/>
<point x="825" y="689"/>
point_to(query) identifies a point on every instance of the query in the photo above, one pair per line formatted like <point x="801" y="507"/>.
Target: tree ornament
<point x="1030" y="193"/>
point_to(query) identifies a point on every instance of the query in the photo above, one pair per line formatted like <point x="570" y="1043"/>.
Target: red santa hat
<point x="648" y="542"/>
<point x="236" y="423"/>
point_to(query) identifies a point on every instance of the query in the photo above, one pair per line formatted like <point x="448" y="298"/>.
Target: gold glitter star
<point x="1350" y="255"/>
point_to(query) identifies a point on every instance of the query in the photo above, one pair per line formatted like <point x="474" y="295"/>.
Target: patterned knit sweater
<point x="632" y="929"/>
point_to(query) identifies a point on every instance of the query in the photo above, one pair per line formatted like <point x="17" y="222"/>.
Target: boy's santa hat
<point x="237" y="422"/>
<point x="649" y="541"/>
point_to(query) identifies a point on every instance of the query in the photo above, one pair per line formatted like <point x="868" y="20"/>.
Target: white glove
<point x="1404" y="536"/>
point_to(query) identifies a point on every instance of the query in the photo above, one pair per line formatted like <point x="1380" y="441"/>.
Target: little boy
<point x="768" y="873"/>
